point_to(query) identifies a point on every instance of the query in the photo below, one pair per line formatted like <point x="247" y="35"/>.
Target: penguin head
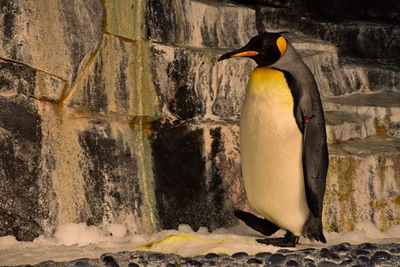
<point x="265" y="49"/>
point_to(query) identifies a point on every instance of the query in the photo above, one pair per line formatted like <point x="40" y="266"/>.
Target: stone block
<point x="363" y="185"/>
<point x="200" y="24"/>
<point x="61" y="166"/>
<point x="191" y="84"/>
<point x="231" y="82"/>
<point x="25" y="189"/>
<point x="357" y="39"/>
<point x="197" y="175"/>
<point x="101" y="170"/>
<point x="126" y="18"/>
<point x="56" y="37"/>
<point x="380" y="111"/>
<point x="117" y="82"/>
<point x="327" y="71"/>
<point x="19" y="79"/>
<point x="114" y="176"/>
<point x="276" y="19"/>
<point x="182" y="79"/>
<point x="369" y="77"/>
<point x="344" y="126"/>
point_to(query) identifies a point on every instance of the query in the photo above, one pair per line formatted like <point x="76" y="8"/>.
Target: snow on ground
<point x="74" y="241"/>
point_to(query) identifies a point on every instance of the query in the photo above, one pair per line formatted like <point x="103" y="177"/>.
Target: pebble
<point x="239" y="255"/>
<point x="109" y="261"/>
<point x="367" y="246"/>
<point x="285" y="251"/>
<point x="363" y="260"/>
<point x="263" y="255"/>
<point x="194" y="263"/>
<point x="81" y="263"/>
<point x="47" y="264"/>
<point x="381" y="257"/>
<point x="362" y="252"/>
<point x="308" y="260"/>
<point x="327" y="264"/>
<point x="346" y="262"/>
<point x="254" y="260"/>
<point x="308" y="250"/>
<point x="325" y="253"/>
<point x="395" y="250"/>
<point x="156" y="257"/>
<point x="277" y="259"/>
<point x="292" y="263"/>
<point x="343" y="247"/>
<point x="343" y="254"/>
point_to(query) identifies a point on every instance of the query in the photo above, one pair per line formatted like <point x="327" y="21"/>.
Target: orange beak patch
<point x="246" y="54"/>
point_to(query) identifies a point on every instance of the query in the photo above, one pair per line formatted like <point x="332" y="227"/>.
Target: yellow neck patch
<point x="271" y="83"/>
<point x="282" y="45"/>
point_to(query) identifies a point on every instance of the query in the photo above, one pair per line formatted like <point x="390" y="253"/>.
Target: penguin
<point x="283" y="148"/>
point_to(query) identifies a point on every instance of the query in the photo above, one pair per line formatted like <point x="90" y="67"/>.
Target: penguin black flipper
<point x="263" y="226"/>
<point x="309" y="116"/>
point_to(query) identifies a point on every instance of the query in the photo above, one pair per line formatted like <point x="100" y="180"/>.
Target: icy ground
<point x="74" y="241"/>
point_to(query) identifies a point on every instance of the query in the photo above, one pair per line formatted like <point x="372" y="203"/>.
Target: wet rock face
<point x="337" y="9"/>
<point x="111" y="180"/>
<point x="116" y="82"/>
<point x="199" y="24"/>
<point x="174" y="81"/>
<point x="180" y="194"/>
<point x="17" y="78"/>
<point x="388" y="10"/>
<point x="64" y="157"/>
<point x="70" y="34"/>
<point x="191" y="185"/>
<point x="23" y="199"/>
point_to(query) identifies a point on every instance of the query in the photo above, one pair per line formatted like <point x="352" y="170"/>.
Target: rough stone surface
<point x="358" y="39"/>
<point x="104" y="177"/>
<point x="57" y="37"/>
<point x="200" y="191"/>
<point x="345" y="126"/>
<point x="363" y="115"/>
<point x="189" y="83"/>
<point x="125" y="18"/>
<point x="200" y="24"/>
<point x="117" y="82"/>
<point x="354" y="38"/>
<point x="24" y="197"/>
<point x="363" y="184"/>
<point x="17" y="78"/>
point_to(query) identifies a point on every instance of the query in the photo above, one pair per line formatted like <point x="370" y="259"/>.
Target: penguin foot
<point x="290" y="240"/>
<point x="260" y="225"/>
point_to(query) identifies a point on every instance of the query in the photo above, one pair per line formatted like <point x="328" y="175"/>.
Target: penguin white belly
<point x="271" y="151"/>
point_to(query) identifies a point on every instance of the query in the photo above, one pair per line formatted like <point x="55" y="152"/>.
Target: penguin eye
<point x="265" y="44"/>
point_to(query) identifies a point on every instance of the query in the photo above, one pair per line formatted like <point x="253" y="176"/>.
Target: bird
<point x="283" y="148"/>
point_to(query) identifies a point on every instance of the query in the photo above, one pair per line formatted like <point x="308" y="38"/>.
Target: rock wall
<point x="118" y="112"/>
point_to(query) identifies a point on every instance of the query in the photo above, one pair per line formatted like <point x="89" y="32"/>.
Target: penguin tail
<point x="313" y="229"/>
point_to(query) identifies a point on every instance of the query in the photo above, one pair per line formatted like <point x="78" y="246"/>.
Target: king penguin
<point x="283" y="147"/>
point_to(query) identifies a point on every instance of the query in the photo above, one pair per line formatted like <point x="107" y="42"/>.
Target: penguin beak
<point x="238" y="53"/>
